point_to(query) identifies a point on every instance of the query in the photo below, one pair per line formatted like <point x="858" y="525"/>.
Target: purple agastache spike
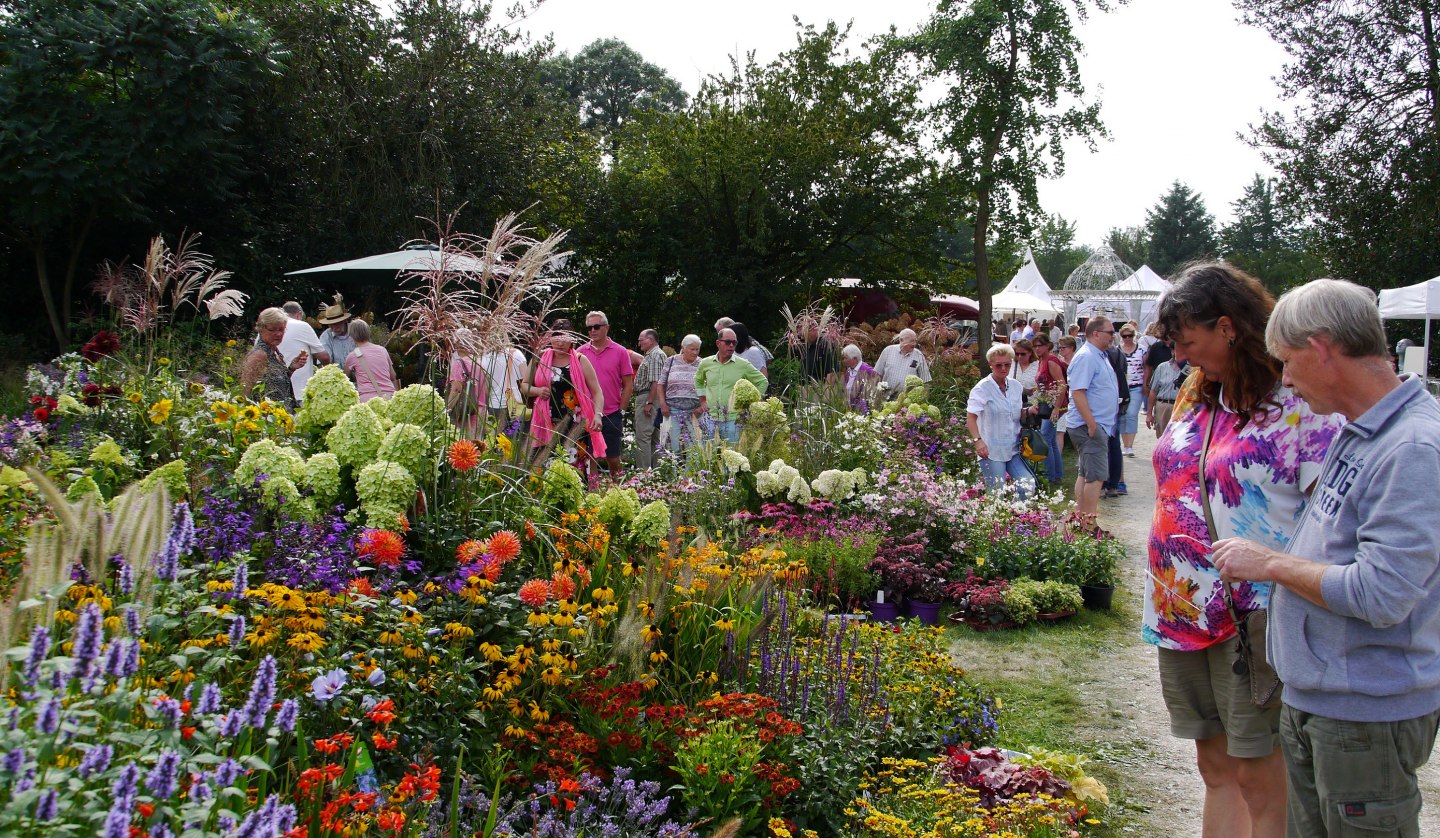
<point x="241" y="581"/>
<point x="161" y="781"/>
<point x="168" y="709"/>
<point x="126" y="580"/>
<point x="95" y="761"/>
<point x="117" y="823"/>
<point x="49" y="717"/>
<point x="237" y="631"/>
<point x="209" y="700"/>
<point x="131" y="666"/>
<point x="89" y="632"/>
<point x="39" y="648"/>
<point x="285" y="717"/>
<point x="122" y="791"/>
<point x="15" y="761"/>
<point x="226" y="773"/>
<point x="132" y="621"/>
<point x="262" y="694"/>
<point x="48" y="806"/>
<point x="232" y="724"/>
<point x="114" y="659"/>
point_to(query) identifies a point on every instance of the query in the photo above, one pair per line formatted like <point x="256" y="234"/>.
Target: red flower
<point x="383" y="713"/>
<point x="470" y="551"/>
<point x="102" y="345"/>
<point x="187" y="731"/>
<point x="146" y="809"/>
<point x="41" y="414"/>
<point x="384" y="547"/>
<point x="464" y="455"/>
<point x="382" y="743"/>
<point x="535" y="593"/>
<point x="504" y="545"/>
<point x="391" y="819"/>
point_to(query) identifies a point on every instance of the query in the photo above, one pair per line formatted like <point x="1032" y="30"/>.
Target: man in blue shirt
<point x="1094" y="414"/>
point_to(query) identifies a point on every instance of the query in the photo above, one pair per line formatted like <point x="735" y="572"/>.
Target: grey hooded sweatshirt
<point x="1372" y="655"/>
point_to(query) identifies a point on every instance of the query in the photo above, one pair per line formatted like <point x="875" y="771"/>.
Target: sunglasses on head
<point x="590" y="327"/>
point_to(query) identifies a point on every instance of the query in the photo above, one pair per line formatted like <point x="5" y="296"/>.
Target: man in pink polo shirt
<point x="617" y="382"/>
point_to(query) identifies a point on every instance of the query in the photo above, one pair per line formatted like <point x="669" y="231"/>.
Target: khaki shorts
<point x="1093" y="462"/>
<point x="1206" y="699"/>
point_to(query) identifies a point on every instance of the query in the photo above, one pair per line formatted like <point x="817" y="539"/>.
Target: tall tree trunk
<point x="982" y="269"/>
<point x="67" y="291"/>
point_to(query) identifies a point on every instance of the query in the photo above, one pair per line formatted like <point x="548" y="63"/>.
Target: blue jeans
<point x="994" y="472"/>
<point x="1054" y="463"/>
<point x="728" y="430"/>
<point x="1130" y="419"/>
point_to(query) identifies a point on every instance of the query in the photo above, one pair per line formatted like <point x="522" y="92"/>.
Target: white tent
<point x="1019" y="302"/>
<point x="1028" y="280"/>
<point x="1420" y="301"/>
<point x="1119" y="308"/>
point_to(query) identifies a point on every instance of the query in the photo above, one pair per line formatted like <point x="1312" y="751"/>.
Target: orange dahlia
<point x="563" y="586"/>
<point x="535" y="593"/>
<point x="464" y="455"/>
<point x="383" y="547"/>
<point x="470" y="551"/>
<point x="504" y="545"/>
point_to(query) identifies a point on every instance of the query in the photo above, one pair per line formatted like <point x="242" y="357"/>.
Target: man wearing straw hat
<point x="336" y="340"/>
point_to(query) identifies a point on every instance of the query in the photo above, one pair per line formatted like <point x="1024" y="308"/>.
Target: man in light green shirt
<point x="716" y="379"/>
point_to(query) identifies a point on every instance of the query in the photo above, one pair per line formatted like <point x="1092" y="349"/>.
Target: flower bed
<point x="233" y="619"/>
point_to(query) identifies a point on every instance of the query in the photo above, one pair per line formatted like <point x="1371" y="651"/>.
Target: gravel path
<point x="1130" y="723"/>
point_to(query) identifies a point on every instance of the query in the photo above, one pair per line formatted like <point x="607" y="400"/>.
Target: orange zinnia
<point x="382" y="547"/>
<point x="464" y="455"/>
<point x="504" y="545"/>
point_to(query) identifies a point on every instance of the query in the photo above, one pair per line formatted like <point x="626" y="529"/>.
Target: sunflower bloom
<point x="160" y="411"/>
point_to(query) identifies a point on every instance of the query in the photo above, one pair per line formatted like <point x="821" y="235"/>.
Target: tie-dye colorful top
<point x="1256" y="477"/>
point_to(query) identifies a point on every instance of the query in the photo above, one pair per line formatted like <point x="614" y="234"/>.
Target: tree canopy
<point x="1179" y="230"/>
<point x="1359" y="151"/>
<point x="1013" y="96"/>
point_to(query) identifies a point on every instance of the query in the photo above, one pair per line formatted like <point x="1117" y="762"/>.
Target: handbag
<point x="1033" y="445"/>
<point x="1250" y="657"/>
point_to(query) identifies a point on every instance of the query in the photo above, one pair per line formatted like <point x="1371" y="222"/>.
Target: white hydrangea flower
<point x="799" y="489"/>
<point x="734" y="460"/>
<point x="767" y="484"/>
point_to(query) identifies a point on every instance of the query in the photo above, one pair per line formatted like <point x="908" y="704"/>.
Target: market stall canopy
<point x="1143" y="287"/>
<point x="1420" y="301"/>
<point x="1028" y="280"/>
<point x="954" y="305"/>
<point x="1019" y="302"/>
<point x="383" y="268"/>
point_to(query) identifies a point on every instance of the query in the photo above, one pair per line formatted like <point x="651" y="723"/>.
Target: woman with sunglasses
<point x="569" y="403"/>
<point x="1134" y="354"/>
<point x="992" y="415"/>
<point x="1236" y="460"/>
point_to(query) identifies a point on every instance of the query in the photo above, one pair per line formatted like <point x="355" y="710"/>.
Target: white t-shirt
<point x="497" y="380"/>
<point x="298" y="336"/>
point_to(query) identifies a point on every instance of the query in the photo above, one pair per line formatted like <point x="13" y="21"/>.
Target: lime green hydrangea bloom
<point x="617" y="508"/>
<point x="563" y="487"/>
<point x="409" y="446"/>
<point x="744" y="395"/>
<point x="81" y="488"/>
<point x="357" y="435"/>
<point x="650" y="525"/>
<point x="328" y="395"/>
<point x="322" y="477"/>
<point x="385" y="490"/>
<point x="175" y="476"/>
<point x="68" y="404"/>
<point x="14" y="478"/>
<point x="834" y="484"/>
<point x="268" y="458"/>
<point x="108" y="453"/>
<point x="419" y="405"/>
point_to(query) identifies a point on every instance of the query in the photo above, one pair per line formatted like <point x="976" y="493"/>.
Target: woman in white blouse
<point x="993" y="416"/>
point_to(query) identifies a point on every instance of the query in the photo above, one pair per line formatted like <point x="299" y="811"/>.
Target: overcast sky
<point x="1178" y="80"/>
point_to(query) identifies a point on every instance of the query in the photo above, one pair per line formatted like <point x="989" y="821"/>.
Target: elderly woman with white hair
<point x="860" y="378"/>
<point x="993" y="416"/>
<point x="900" y="360"/>
<point x="674" y="391"/>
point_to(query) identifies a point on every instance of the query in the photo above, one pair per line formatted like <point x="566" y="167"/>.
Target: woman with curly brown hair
<point x="1236" y="459"/>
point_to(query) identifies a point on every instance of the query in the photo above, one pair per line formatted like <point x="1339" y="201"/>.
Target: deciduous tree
<point x="1013" y="97"/>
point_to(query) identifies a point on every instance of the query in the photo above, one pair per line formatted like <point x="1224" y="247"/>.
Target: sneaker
<point x="1121" y="490"/>
<point x="1129" y="452"/>
<point x="1109" y="493"/>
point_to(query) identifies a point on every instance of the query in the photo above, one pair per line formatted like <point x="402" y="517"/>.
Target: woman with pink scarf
<point x="562" y="409"/>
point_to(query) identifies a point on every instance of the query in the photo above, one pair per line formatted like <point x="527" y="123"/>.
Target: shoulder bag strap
<point x="1210" y="519"/>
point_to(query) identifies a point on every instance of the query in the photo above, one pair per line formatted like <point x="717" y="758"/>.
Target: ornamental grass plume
<point x="150" y="295"/>
<point x="491" y="287"/>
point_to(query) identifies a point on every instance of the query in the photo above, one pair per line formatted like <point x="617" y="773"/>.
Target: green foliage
<point x="717" y="769"/>
<point x="1013" y="96"/>
<point x="1266" y="240"/>
<point x="776" y="178"/>
<point x="100" y="101"/>
<point x="1180" y="230"/>
<point x="1131" y="244"/>
<point x="607" y="82"/>
<point x="1055" y="250"/>
<point x="1357" y="150"/>
<point x="838" y="568"/>
<point x="1049" y="597"/>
